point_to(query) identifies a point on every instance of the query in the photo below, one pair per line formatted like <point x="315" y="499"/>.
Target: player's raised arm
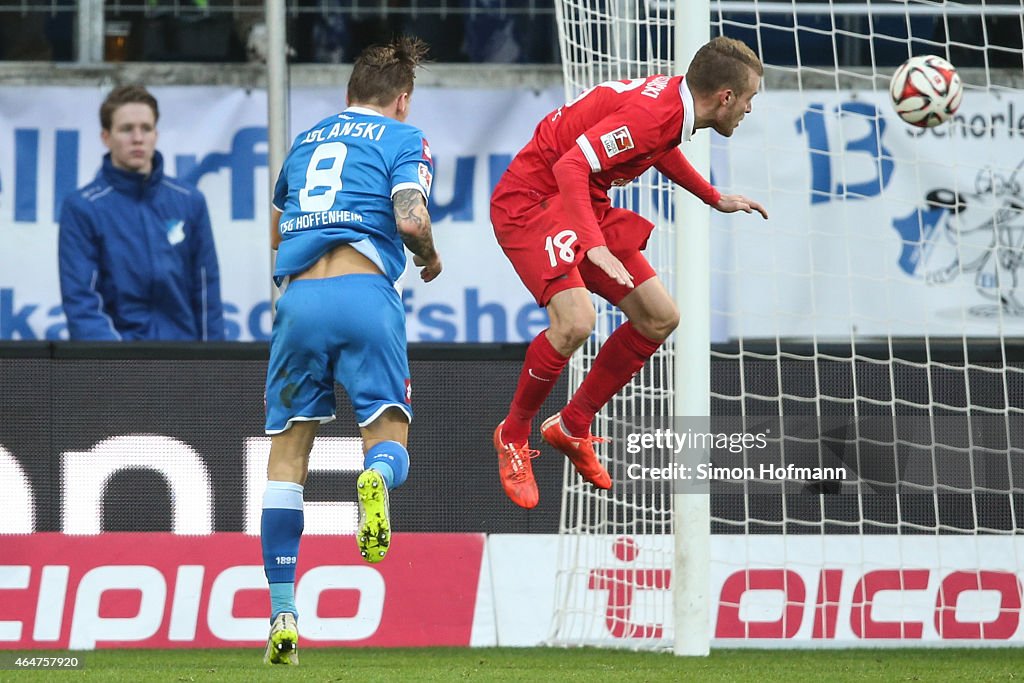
<point x="414" y="227"/>
<point x="677" y="168"/>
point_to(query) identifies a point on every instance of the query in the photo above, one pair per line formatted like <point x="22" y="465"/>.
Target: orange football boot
<point x="515" y="471"/>
<point x="579" y="450"/>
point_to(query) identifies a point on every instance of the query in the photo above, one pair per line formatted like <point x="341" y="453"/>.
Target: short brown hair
<point x="126" y="94"/>
<point x="722" y="63"/>
<point x="383" y="72"/>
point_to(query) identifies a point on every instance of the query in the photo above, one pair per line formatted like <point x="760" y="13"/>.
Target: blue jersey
<point x="336" y="186"/>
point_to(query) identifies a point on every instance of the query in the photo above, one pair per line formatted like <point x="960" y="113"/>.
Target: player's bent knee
<point x="576" y="330"/>
<point x="580" y="331"/>
<point x="567" y="339"/>
<point x="666" y="324"/>
<point x="658" y="327"/>
<point x="390" y="458"/>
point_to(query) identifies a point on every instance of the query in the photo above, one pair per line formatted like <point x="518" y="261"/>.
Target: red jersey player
<point x="554" y="220"/>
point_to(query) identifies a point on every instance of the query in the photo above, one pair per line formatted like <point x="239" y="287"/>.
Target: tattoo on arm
<point x="414" y="223"/>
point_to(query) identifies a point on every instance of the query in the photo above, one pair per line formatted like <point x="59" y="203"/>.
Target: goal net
<point x="868" y="337"/>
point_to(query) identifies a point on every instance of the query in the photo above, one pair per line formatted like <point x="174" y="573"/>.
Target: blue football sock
<point x="282" y="599"/>
<point x="280" y="531"/>
<point x="385" y="471"/>
<point x="390" y="459"/>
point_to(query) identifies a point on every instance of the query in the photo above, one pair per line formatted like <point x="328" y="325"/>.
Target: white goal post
<point x="874" y="322"/>
<point x="691" y="380"/>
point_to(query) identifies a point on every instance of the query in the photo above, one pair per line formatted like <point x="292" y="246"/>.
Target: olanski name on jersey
<point x="354" y="129"/>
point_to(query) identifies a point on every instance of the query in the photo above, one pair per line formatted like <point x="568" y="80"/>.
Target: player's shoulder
<point x="657" y="84"/>
<point x="84" y="204"/>
<point x="407" y="130"/>
<point x="659" y="99"/>
<point x="89" y="193"/>
<point x="180" y="189"/>
<point x="407" y="139"/>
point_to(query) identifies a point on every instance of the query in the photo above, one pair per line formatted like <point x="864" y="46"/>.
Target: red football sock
<point x="619" y="359"/>
<point x="540" y="371"/>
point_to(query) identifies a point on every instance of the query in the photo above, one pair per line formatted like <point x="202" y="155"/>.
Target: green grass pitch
<point x="542" y="664"/>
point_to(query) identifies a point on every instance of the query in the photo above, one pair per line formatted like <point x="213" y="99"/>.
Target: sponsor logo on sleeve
<point x="617" y="141"/>
<point x="426" y="151"/>
<point x="426" y="178"/>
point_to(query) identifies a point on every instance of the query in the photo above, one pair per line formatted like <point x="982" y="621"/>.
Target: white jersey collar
<point x="688" y="113"/>
<point x="362" y="110"/>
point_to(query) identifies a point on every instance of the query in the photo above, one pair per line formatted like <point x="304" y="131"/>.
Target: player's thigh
<point x="651" y="309"/>
<point x="373" y="362"/>
<point x="598" y="282"/>
<point x="543" y="252"/>
<point x="626" y="234"/>
<point x="572" y="312"/>
<point x="532" y="267"/>
<point x="300" y="386"/>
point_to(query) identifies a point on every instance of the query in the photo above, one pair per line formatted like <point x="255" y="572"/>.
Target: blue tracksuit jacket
<point x="137" y="259"/>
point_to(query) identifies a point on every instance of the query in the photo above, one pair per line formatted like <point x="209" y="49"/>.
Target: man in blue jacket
<point x="136" y="252"/>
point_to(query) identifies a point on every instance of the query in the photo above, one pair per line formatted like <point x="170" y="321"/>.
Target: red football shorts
<point x="547" y="256"/>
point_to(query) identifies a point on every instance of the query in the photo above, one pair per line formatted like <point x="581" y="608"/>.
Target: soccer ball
<point x="926" y="91"/>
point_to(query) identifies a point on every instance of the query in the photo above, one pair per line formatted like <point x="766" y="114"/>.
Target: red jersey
<point x="622" y="129"/>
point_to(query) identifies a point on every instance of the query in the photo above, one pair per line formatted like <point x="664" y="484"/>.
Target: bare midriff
<point x="342" y="260"/>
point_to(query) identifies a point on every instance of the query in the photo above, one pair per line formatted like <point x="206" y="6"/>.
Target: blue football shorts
<point x="348" y="329"/>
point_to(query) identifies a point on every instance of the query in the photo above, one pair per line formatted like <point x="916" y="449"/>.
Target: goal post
<point x="691" y="380"/>
<point x="278" y="140"/>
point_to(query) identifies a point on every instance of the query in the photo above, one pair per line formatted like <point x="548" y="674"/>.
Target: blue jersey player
<point x="351" y="196"/>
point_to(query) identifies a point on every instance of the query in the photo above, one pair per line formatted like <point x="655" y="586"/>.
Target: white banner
<point x="217" y="137"/>
<point x="766" y="591"/>
<point x="876" y="227"/>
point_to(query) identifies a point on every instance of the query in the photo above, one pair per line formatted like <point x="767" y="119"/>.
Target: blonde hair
<point x="722" y="63"/>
